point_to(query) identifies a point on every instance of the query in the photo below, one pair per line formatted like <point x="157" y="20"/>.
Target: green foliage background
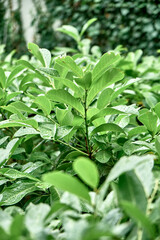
<point x="133" y="24"/>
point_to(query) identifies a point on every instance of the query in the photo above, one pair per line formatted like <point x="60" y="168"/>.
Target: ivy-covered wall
<point x="135" y="24"/>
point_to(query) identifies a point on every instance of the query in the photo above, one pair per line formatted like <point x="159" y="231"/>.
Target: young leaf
<point x="34" y="49"/>
<point x="2" y="78"/>
<point x="86" y="25"/>
<point x="105" y="112"/>
<point x="16" y="72"/>
<point x="63" y="96"/>
<point x="107" y="127"/>
<point x="85" y="82"/>
<point x="70" y="31"/>
<point x="87" y="171"/>
<point x="104" y="98"/>
<point x="157" y="109"/>
<point x="68" y="183"/>
<point x="109" y="77"/>
<point x="46" y="56"/>
<point x="44" y="103"/>
<point x="69" y="63"/>
<point x="157" y="144"/>
<point x="104" y="63"/>
<point x="149" y="119"/>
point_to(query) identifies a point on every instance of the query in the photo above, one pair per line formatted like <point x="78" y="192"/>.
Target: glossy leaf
<point x="87" y="171"/>
<point x="65" y="97"/>
<point x="65" y="182"/>
<point x="107" y="127"/>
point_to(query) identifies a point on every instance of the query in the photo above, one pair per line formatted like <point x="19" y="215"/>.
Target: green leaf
<point x="8" y="152"/>
<point x="133" y="190"/>
<point x="64" y="117"/>
<point x="39" y="75"/>
<point x="157" y="144"/>
<point x="109" y="77"/>
<point x="65" y="182"/>
<point x="86" y="81"/>
<point x="19" y="123"/>
<point x="126" y="164"/>
<point x="35" y="50"/>
<point x="86" y="25"/>
<point x="35" y="220"/>
<point x="87" y="171"/>
<point x="2" y="78"/>
<point x="69" y="63"/>
<point x="22" y="107"/>
<point x="68" y="83"/>
<point x="44" y="104"/>
<point x="157" y="109"/>
<point x="104" y="63"/>
<point x="14" y="110"/>
<point x="149" y="119"/>
<point x="15" y="174"/>
<point x="107" y="127"/>
<point x="136" y="131"/>
<point x="104" y="98"/>
<point x="16" y="72"/>
<point x="105" y="112"/>
<point x="63" y="96"/>
<point x="70" y="31"/>
<point x="103" y="156"/>
<point x="14" y="193"/>
<point x="46" y="56"/>
<point x="139" y="217"/>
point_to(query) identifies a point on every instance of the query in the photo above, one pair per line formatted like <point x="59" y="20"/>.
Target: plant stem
<point x="57" y="140"/>
<point x="86" y="126"/>
<point x="150" y="200"/>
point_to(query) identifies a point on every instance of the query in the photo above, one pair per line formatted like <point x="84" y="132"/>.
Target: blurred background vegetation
<point x="135" y="24"/>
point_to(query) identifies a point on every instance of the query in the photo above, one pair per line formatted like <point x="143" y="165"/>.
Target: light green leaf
<point x="22" y="107"/>
<point x="15" y="174"/>
<point x="104" y="98"/>
<point x="139" y="217"/>
<point x="104" y="63"/>
<point x="46" y="56"/>
<point x="19" y="123"/>
<point x="107" y="127"/>
<point x="87" y="171"/>
<point x="149" y="119"/>
<point x="85" y="82"/>
<point x="14" y="110"/>
<point x="5" y="154"/>
<point x="63" y="96"/>
<point x="126" y="164"/>
<point x="2" y="78"/>
<point x="70" y="64"/>
<point x="109" y="77"/>
<point x="103" y="156"/>
<point x="35" y="50"/>
<point x="157" y="144"/>
<point x="105" y="112"/>
<point x="14" y="193"/>
<point x="86" y="25"/>
<point x="35" y="220"/>
<point x="157" y="109"/>
<point x="64" y="117"/>
<point x="16" y="72"/>
<point x="65" y="182"/>
<point x="44" y="104"/>
<point x="70" y="31"/>
<point x="136" y="131"/>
